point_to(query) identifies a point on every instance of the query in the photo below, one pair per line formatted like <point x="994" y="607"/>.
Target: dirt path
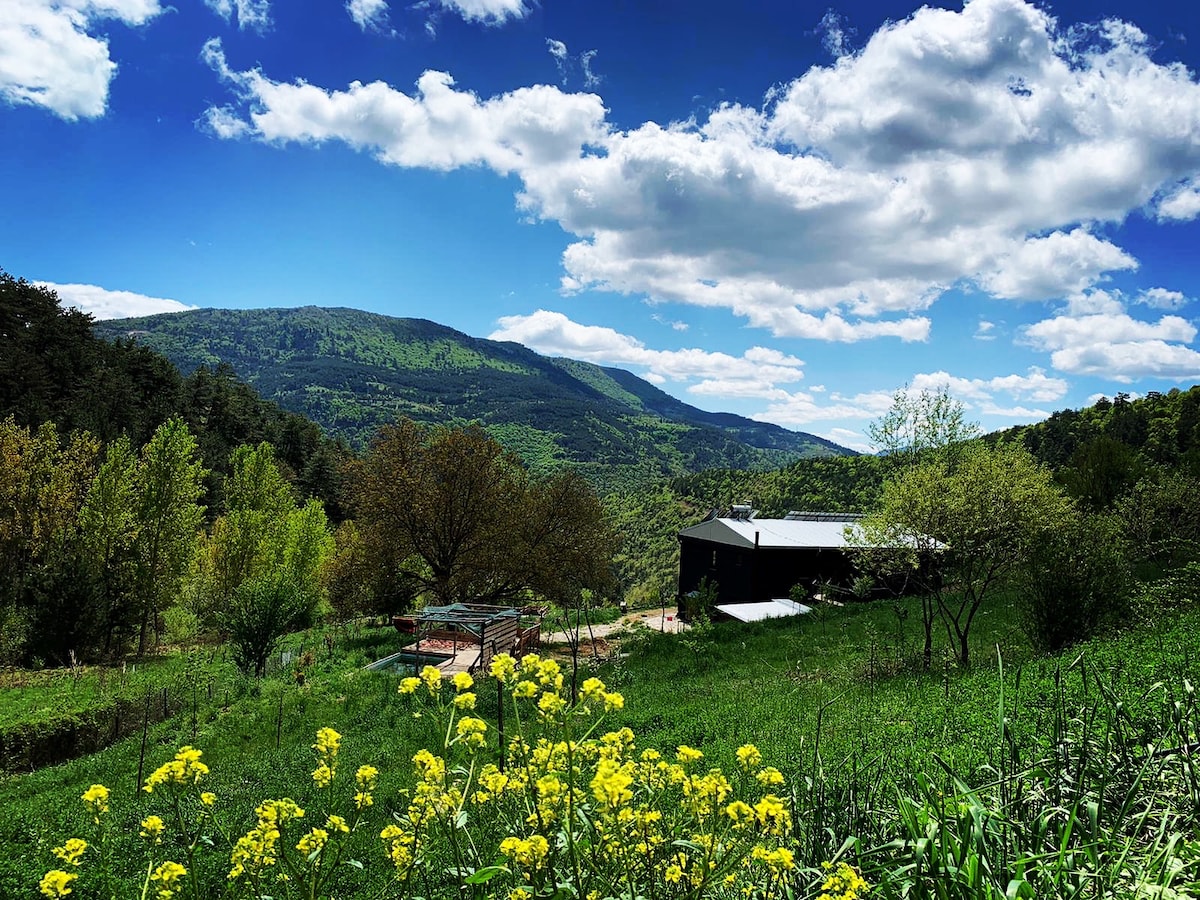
<point x="658" y="619"/>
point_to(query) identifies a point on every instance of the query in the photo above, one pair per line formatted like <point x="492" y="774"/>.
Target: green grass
<point x="875" y="750"/>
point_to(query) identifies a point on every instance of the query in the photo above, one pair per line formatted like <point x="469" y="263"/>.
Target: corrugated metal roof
<point x="792" y="533"/>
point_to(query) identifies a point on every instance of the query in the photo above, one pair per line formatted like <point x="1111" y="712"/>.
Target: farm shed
<point x="758" y="560"/>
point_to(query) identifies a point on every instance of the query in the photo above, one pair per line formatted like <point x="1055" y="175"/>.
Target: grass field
<point x="991" y="767"/>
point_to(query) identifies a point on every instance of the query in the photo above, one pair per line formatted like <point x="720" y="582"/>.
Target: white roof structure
<point x="769" y="609"/>
<point x="822" y="534"/>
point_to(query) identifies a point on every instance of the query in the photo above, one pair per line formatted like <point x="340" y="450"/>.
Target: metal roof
<point x="768" y="609"/>
<point x="791" y="533"/>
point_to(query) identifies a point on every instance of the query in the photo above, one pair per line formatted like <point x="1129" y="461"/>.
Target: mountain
<point x="353" y="371"/>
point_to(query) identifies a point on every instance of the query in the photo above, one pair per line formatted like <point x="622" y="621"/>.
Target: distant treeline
<point x="54" y="369"/>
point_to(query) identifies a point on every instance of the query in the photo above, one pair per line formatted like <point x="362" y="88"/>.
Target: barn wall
<point x="745" y="575"/>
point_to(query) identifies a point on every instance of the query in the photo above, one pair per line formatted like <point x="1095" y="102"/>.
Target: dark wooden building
<point x="752" y="560"/>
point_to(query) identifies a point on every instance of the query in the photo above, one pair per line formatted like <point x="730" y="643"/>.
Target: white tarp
<point x="768" y="609"/>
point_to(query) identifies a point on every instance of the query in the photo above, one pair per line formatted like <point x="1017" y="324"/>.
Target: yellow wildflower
<point x="471" y="731"/>
<point x="465" y="701"/>
<point x="462" y="681"/>
<point x="96" y="798"/>
<point x="208" y="798"/>
<point x="312" y="842"/>
<point x="749" y="757"/>
<point x="529" y="853"/>
<point x="525" y="690"/>
<point x="772" y="815"/>
<point x="409" y="685"/>
<point x="167" y="876"/>
<point x="185" y="768"/>
<point x="686" y="754"/>
<point x="592" y="689"/>
<point x="152" y="829"/>
<point x="613" y="700"/>
<point x="432" y="677"/>
<point x="769" y="776"/>
<point x="503" y="667"/>
<point x="328" y="742"/>
<point x="843" y="882"/>
<point x="550" y="704"/>
<point x="323" y="775"/>
<point x="337" y="823"/>
<point x="56" y="883"/>
<point x="72" y="851"/>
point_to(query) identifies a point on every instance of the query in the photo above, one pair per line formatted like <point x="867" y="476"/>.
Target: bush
<point x="1073" y="578"/>
<point x="260" y="612"/>
<point x="181" y="624"/>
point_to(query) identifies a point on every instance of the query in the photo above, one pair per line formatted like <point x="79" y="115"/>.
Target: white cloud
<point x="1161" y="298"/>
<point x="1130" y="360"/>
<point x="369" y="15"/>
<point x="754" y="374"/>
<point x="106" y="304"/>
<point x="222" y="122"/>
<point x="1183" y="204"/>
<point x="1034" y="385"/>
<point x="1103" y="339"/>
<point x="252" y="14"/>
<point x="986" y="147"/>
<point x="486" y="12"/>
<point x="985" y="331"/>
<point x="50" y="56"/>
<point x="590" y="78"/>
<point x="562" y="59"/>
<point x="1045" y="268"/>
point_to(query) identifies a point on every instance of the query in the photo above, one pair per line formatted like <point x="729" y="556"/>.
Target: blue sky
<point x="784" y="210"/>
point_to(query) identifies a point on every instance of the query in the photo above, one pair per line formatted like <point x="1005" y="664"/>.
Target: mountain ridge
<point x="352" y="371"/>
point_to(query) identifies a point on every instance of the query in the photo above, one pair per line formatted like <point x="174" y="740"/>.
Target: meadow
<point x="1069" y="775"/>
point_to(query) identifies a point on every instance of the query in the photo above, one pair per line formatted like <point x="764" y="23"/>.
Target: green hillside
<point x="352" y="371"/>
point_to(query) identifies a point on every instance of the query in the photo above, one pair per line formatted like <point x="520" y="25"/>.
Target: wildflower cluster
<point x="842" y="882"/>
<point x="548" y="802"/>
<point x="570" y="803"/>
<point x="185" y="769"/>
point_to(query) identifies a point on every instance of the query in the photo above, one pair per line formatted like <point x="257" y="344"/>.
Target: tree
<point x="919" y="425"/>
<point x="984" y="507"/>
<point x="918" y="437"/>
<point x="108" y="527"/>
<point x="262" y="537"/>
<point x="449" y="513"/>
<point x="168" y="513"/>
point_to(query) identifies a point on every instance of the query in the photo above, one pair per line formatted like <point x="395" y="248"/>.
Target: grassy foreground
<point x="1069" y="776"/>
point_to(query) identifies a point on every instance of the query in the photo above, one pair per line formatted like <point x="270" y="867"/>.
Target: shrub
<point x="260" y="612"/>
<point x="1073" y="577"/>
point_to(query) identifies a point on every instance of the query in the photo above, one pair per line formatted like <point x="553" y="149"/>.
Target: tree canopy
<point x="450" y="514"/>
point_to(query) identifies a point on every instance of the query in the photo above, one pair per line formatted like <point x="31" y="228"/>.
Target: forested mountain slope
<point x="352" y="371"/>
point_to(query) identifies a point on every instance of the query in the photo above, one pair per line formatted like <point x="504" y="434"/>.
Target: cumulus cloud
<point x="250" y="14"/>
<point x="987" y="148"/>
<point x="985" y="331"/>
<point x="1101" y="338"/>
<point x="1183" y="204"/>
<point x="51" y="57"/>
<point x="1035" y="385"/>
<point x="485" y="12"/>
<point x="105" y="304"/>
<point x="753" y="374"/>
<point x="1161" y="298"/>
<point x="369" y="15"/>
